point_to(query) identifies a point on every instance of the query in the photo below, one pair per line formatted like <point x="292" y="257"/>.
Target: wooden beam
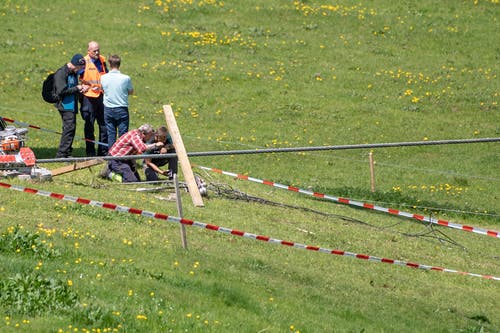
<point x="180" y="150"/>
<point x="76" y="166"/>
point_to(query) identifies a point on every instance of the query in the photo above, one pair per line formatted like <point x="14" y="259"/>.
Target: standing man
<point x="92" y="108"/>
<point x="117" y="87"/>
<point x="131" y="143"/>
<point x="67" y="88"/>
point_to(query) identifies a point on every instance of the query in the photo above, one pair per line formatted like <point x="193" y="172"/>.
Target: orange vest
<point x="92" y="76"/>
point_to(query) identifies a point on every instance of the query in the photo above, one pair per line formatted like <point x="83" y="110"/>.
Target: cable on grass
<point x="226" y="191"/>
<point x="430" y="233"/>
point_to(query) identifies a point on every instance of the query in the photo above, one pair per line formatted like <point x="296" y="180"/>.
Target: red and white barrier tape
<point x="20" y="123"/>
<point x="346" y="201"/>
<point x="224" y="230"/>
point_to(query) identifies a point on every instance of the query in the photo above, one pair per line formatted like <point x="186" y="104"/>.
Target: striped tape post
<point x="20" y="123"/>
<point x="350" y="202"/>
<point x="240" y="233"/>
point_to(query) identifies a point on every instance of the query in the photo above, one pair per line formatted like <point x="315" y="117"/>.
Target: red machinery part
<point x="27" y="156"/>
<point x="7" y="159"/>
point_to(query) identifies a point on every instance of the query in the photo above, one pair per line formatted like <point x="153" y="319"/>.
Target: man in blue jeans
<point x="116" y="87"/>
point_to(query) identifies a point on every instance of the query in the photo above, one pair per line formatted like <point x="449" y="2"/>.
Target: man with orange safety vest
<point x="92" y="106"/>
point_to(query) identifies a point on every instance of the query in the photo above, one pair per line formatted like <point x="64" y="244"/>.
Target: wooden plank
<point x="76" y="166"/>
<point x="180" y="150"/>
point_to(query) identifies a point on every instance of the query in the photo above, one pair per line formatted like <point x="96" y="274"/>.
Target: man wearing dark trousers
<point x="131" y="143"/>
<point x="68" y="89"/>
<point x="92" y="108"/>
<point x="152" y="165"/>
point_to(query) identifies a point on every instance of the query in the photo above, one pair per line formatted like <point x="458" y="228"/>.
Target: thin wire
<point x="445" y="172"/>
<point x="262" y="150"/>
<point x="282" y="150"/>
<point x="224" y="190"/>
<point x="431" y="208"/>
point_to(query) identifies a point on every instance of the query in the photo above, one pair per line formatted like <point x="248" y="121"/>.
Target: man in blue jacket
<point x="67" y="89"/>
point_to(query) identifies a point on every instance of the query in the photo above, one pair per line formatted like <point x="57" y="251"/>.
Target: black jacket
<point x="61" y="87"/>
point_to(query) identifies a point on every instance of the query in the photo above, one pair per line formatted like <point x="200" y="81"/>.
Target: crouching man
<point x="131" y="143"/>
<point x="152" y="165"/>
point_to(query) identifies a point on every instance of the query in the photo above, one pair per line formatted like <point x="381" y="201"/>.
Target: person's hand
<point x="83" y="88"/>
<point x="159" y="144"/>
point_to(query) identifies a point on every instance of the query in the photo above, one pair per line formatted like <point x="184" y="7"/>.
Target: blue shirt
<point x="116" y="88"/>
<point x="98" y="64"/>
<point x="69" y="101"/>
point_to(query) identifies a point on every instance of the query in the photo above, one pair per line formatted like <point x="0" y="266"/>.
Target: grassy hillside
<point x="264" y="74"/>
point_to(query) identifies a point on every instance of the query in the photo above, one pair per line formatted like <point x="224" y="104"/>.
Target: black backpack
<point x="48" y="90"/>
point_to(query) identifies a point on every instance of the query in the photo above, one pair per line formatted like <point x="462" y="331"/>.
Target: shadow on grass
<point x="45" y="153"/>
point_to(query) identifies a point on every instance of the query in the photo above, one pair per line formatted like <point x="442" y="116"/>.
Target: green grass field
<point x="264" y="74"/>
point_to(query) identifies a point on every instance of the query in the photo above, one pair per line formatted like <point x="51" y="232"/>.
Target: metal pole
<point x="275" y="150"/>
<point x="179" y="210"/>
<point x="372" y="171"/>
